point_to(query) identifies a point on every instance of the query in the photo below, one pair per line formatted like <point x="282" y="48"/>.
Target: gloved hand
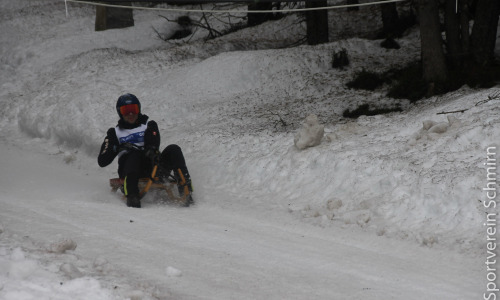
<point x="153" y="154"/>
<point x="128" y="147"/>
<point x="111" y="141"/>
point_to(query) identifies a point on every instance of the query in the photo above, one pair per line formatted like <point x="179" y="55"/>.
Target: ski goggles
<point x="129" y="109"/>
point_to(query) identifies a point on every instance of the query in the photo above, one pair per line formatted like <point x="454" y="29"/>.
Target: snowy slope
<point x="377" y="211"/>
<point x="204" y="252"/>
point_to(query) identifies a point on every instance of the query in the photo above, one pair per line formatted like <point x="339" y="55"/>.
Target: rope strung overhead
<point x="232" y="11"/>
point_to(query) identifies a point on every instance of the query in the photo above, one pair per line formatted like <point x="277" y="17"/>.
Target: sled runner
<point x="176" y="189"/>
<point x="170" y="188"/>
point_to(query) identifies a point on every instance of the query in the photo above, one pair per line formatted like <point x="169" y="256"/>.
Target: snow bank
<point x="31" y="270"/>
<point x="386" y="174"/>
<point x="23" y="275"/>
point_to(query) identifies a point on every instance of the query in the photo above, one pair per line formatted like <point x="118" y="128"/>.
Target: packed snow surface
<point x="384" y="207"/>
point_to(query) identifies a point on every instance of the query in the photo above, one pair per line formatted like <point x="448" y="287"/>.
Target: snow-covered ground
<point x="386" y="207"/>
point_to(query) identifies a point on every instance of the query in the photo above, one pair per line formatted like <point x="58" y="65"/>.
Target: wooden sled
<point x="154" y="183"/>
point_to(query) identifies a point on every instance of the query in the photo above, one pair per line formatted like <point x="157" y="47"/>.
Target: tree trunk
<point x="259" y="18"/>
<point x="317" y="23"/>
<point x="352" y="8"/>
<point x="100" y="18"/>
<point x="112" y="17"/>
<point x="484" y="32"/>
<point x="464" y="26"/>
<point x="452" y="27"/>
<point x="433" y="60"/>
<point x="390" y="19"/>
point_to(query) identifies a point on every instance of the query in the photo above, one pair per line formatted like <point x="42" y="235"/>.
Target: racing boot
<point x="163" y="174"/>
<point x="188" y="183"/>
<point x="134" y="200"/>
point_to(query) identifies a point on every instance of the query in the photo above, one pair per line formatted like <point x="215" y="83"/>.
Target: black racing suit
<point x="133" y="165"/>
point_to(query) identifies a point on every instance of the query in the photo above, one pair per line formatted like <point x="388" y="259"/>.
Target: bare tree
<point x="454" y="34"/>
<point x="484" y="32"/>
<point x="317" y="23"/>
<point x="352" y="8"/>
<point x="259" y="18"/>
<point x="433" y="59"/>
<point x="477" y="48"/>
<point x="113" y="17"/>
<point x="390" y="19"/>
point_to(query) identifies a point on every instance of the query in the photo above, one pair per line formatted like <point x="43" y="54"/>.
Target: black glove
<point x="128" y="147"/>
<point x="111" y="142"/>
<point x="153" y="154"/>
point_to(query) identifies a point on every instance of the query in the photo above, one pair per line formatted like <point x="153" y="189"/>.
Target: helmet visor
<point x="129" y="109"/>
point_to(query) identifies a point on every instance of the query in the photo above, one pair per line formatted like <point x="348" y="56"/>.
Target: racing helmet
<point x="128" y="103"/>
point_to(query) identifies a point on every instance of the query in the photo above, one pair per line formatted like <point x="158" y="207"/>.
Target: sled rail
<point x="146" y="184"/>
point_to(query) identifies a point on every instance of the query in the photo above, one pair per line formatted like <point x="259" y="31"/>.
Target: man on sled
<point x="136" y="140"/>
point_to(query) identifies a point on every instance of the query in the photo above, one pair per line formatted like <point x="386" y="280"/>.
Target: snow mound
<point x="62" y="245"/>
<point x="25" y="278"/>
<point x="70" y="270"/>
<point x="173" y="272"/>
<point x="432" y="130"/>
<point x="310" y="134"/>
<point x="29" y="271"/>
